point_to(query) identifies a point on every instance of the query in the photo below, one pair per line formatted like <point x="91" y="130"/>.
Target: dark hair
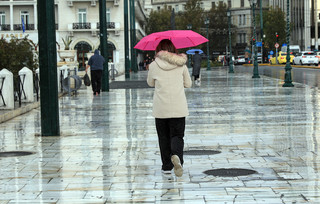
<point x="167" y="45"/>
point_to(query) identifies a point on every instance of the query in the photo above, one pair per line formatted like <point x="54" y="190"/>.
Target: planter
<point x="67" y="55"/>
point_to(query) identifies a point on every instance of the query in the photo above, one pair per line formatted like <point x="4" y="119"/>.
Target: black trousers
<point x="96" y="77"/>
<point x="170" y="135"/>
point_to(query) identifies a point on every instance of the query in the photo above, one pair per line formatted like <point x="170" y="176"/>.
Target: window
<point x="229" y="3"/>
<point x="24" y="15"/>
<point x="244" y="22"/>
<point x="176" y="8"/>
<point x="108" y="15"/>
<point x="242" y="3"/>
<point x="242" y="37"/>
<point x="213" y="5"/>
<point x="240" y="19"/>
<point x="2" y="17"/>
<point x="158" y="8"/>
<point x="82" y="15"/>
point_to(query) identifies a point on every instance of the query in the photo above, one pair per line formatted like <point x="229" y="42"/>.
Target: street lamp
<point x="255" y="63"/>
<point x="189" y="27"/>
<point x="206" y="22"/>
<point x="287" y="75"/>
<point x="230" y="47"/>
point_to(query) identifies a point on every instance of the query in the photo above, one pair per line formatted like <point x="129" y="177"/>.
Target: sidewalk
<point x="108" y="149"/>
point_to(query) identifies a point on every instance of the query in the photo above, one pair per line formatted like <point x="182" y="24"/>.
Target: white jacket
<point x="169" y="75"/>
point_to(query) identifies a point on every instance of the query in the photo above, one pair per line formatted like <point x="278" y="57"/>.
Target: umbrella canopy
<point x="193" y="51"/>
<point x="179" y="38"/>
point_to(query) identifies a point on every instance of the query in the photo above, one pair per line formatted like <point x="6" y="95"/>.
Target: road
<point x="309" y="76"/>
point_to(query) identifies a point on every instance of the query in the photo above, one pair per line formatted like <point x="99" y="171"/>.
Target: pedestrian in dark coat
<point x="196" y="67"/>
<point x="96" y="67"/>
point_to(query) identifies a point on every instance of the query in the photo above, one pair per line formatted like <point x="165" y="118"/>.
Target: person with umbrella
<point x="169" y="75"/>
<point x="196" y="68"/>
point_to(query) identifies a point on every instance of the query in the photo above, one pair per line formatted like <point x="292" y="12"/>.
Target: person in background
<point x="196" y="68"/>
<point x="96" y="67"/>
<point x="169" y="75"/>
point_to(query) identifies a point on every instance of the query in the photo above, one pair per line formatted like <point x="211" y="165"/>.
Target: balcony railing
<point x="110" y="25"/>
<point x="27" y="27"/>
<point x="5" y="27"/>
<point x="81" y="25"/>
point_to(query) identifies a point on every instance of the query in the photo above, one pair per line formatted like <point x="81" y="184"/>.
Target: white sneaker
<point x="178" y="170"/>
<point x="198" y="82"/>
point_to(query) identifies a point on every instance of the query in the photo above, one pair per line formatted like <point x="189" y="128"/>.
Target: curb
<point x="19" y="111"/>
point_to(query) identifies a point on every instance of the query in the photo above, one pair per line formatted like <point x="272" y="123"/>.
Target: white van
<point x="294" y="49"/>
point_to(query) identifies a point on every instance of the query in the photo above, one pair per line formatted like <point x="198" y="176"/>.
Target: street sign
<point x="271" y="52"/>
<point x="276" y="45"/>
<point x="259" y="44"/>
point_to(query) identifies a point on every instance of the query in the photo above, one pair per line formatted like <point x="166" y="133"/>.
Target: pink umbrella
<point x="180" y="39"/>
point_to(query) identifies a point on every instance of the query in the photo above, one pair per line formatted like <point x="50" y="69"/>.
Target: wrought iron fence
<point x="110" y="25"/>
<point x="81" y="25"/>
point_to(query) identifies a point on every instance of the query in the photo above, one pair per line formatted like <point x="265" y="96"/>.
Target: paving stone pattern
<point x="108" y="149"/>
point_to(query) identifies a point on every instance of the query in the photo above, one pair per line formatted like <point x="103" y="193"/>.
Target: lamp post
<point x="255" y="63"/>
<point x="287" y="75"/>
<point x="230" y="47"/>
<point x="206" y="22"/>
<point x="189" y="27"/>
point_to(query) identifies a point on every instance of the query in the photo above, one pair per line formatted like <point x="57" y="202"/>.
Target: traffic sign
<point x="271" y="52"/>
<point x="276" y="45"/>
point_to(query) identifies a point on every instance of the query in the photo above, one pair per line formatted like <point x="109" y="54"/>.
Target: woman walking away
<point x="169" y="75"/>
<point x="196" y="68"/>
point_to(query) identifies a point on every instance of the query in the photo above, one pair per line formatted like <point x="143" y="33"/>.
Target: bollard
<point x="26" y="85"/>
<point x="7" y="91"/>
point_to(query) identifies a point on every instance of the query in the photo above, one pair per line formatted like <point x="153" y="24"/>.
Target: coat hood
<point x="96" y="52"/>
<point x="168" y="60"/>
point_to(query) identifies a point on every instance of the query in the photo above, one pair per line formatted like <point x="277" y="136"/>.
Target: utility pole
<point x="103" y="44"/>
<point x="126" y="40"/>
<point x="316" y="24"/>
<point x="261" y="28"/>
<point x="48" y="69"/>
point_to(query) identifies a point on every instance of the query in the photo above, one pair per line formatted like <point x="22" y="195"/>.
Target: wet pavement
<point x="108" y="150"/>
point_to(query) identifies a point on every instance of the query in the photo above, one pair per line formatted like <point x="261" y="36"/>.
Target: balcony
<point x="5" y="27"/>
<point x="110" y="25"/>
<point x="27" y="27"/>
<point x="85" y="26"/>
<point x="93" y="28"/>
<point x="93" y="2"/>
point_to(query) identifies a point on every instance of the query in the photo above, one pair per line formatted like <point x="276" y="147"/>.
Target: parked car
<point x="240" y="60"/>
<point x="282" y="58"/>
<point x="306" y="57"/>
<point x="318" y="55"/>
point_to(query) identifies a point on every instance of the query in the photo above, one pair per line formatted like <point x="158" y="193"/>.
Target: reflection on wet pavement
<point x="108" y="149"/>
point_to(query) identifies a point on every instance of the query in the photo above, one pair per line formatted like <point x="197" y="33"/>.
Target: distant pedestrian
<point x="169" y="75"/>
<point x="196" y="68"/>
<point x="96" y="67"/>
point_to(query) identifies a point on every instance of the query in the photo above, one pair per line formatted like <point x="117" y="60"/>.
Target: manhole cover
<point x="129" y="85"/>
<point x="233" y="172"/>
<point x="15" y="153"/>
<point x="201" y="152"/>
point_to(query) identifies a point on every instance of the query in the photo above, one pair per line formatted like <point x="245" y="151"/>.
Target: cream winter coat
<point x="169" y="75"/>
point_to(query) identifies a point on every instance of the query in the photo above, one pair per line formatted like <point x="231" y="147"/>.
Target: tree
<point x="159" y="21"/>
<point x="18" y="53"/>
<point x="274" y="21"/>
<point x="193" y="14"/>
<point x="218" y="28"/>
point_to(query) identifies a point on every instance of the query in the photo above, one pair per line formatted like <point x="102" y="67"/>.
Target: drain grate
<point x="15" y="153"/>
<point x="201" y="152"/>
<point x="233" y="172"/>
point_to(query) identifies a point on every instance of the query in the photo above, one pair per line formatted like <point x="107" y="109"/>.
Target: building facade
<point x="78" y="19"/>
